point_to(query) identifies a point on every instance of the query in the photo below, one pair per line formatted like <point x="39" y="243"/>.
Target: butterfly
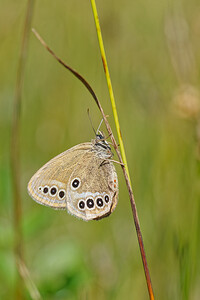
<point x="82" y="180"/>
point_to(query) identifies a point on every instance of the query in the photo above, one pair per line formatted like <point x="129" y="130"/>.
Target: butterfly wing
<point x="92" y="189"/>
<point x="48" y="185"/>
<point x="77" y="180"/>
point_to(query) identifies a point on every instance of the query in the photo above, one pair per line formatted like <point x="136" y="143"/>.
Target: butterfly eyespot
<point x="106" y="198"/>
<point x="61" y="194"/>
<point x="53" y="191"/>
<point x="45" y="189"/>
<point x="81" y="204"/>
<point x="40" y="188"/>
<point x="75" y="183"/>
<point x="99" y="202"/>
<point x="90" y="203"/>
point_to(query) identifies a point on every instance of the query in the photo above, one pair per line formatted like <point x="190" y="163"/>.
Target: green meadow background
<point x="153" y="52"/>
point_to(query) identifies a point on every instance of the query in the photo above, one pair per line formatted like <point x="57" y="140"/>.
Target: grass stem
<point x="15" y="150"/>
<point x="123" y="155"/>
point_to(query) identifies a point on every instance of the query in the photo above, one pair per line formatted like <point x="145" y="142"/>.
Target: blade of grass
<point x="30" y="285"/>
<point x="133" y="205"/>
<point x="15" y="151"/>
<point x="112" y="99"/>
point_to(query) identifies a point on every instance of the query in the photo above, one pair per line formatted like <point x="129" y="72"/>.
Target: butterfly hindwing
<point x="92" y="188"/>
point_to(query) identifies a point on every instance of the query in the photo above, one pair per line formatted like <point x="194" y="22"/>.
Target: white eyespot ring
<point x="90" y="203"/>
<point x="81" y="204"/>
<point x="40" y="188"/>
<point x="75" y="183"/>
<point x="107" y="198"/>
<point x="53" y="190"/>
<point x="45" y="190"/>
<point x="99" y="202"/>
<point x="61" y="194"/>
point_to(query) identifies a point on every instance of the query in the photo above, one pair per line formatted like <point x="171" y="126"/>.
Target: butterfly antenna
<point x="99" y="127"/>
<point x="88" y="112"/>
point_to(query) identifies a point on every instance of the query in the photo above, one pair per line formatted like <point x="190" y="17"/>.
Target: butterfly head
<point x="102" y="147"/>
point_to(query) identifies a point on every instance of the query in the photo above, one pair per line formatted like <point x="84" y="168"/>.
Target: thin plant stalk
<point x="136" y="220"/>
<point x="112" y="99"/>
<point x="121" y="144"/>
<point x="15" y="150"/>
<point x="29" y="283"/>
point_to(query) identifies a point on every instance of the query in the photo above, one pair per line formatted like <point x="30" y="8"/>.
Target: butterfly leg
<point x="117" y="162"/>
<point x="106" y="161"/>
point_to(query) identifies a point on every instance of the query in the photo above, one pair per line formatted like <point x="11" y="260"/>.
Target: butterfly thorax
<point x="102" y="147"/>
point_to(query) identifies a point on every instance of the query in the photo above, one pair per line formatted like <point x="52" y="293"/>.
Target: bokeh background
<point x="153" y="51"/>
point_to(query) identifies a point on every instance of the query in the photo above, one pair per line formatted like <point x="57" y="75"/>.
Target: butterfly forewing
<point x="48" y="184"/>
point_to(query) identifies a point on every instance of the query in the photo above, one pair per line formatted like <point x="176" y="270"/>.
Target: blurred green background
<point x="153" y="51"/>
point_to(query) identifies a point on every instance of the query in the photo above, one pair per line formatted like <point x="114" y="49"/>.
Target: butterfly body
<point x="81" y="180"/>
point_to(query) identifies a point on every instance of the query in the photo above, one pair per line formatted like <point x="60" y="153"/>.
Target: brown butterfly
<point x="82" y="180"/>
